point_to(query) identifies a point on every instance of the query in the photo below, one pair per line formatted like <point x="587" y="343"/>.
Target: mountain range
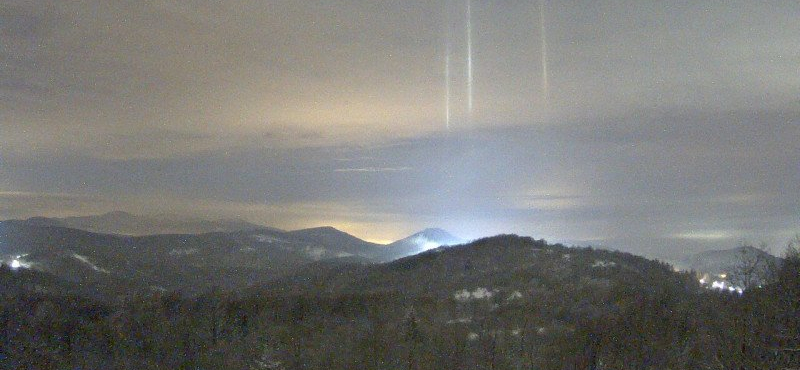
<point x="242" y="255"/>
<point x="118" y="252"/>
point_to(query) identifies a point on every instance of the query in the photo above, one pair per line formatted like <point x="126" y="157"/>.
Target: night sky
<point x="657" y="127"/>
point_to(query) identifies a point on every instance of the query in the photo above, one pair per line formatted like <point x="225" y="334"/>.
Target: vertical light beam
<point x="447" y="80"/>
<point x="543" y="31"/>
<point x="447" y="47"/>
<point x="469" y="57"/>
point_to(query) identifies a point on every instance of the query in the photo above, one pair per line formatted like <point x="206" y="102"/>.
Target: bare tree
<point x="755" y="266"/>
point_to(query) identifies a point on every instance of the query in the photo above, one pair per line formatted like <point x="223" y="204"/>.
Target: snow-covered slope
<point x="420" y="242"/>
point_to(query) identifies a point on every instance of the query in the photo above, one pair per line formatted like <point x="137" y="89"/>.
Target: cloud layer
<point x="669" y="125"/>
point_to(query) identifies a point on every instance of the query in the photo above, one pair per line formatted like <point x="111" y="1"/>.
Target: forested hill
<point x="504" y="302"/>
<point x="502" y="262"/>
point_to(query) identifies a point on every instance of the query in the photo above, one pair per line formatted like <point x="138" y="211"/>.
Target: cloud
<point x="362" y="72"/>
<point x="706" y="234"/>
<point x="664" y="118"/>
<point x="23" y="204"/>
<point x="373" y="169"/>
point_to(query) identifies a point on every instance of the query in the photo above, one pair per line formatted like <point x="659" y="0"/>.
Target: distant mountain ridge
<point x="109" y="263"/>
<point x="724" y="261"/>
<point x="344" y="245"/>
<point x="348" y="245"/>
<point x="736" y="268"/>
<point x="124" y="223"/>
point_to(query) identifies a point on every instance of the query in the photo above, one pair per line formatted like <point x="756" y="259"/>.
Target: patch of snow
<point x="268" y="364"/>
<point x="566" y="256"/>
<point x="247" y="249"/>
<point x="425" y="244"/>
<point x="472" y="336"/>
<point x="461" y="320"/>
<point x="514" y="296"/>
<point x="266" y="239"/>
<point x="516" y="332"/>
<point x="541" y="330"/>
<point x="315" y="252"/>
<point x="603" y="263"/>
<point x="182" y="252"/>
<point x="343" y="254"/>
<point x="462" y="295"/>
<point x="482" y="293"/>
<point x="89" y="263"/>
<point x="479" y="293"/>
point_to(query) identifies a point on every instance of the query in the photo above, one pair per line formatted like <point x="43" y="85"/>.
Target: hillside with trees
<point x="504" y="302"/>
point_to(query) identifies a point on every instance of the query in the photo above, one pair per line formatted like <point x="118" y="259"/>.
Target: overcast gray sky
<point x="667" y="126"/>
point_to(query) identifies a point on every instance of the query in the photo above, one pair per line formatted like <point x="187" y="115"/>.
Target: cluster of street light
<point x="721" y="285"/>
